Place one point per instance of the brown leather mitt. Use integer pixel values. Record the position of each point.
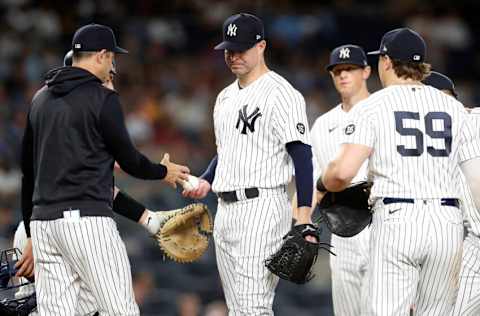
(184, 233)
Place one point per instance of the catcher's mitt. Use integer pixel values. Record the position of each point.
(17, 295)
(294, 260)
(19, 307)
(346, 213)
(184, 233)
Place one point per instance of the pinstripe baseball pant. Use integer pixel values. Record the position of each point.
(246, 233)
(349, 268)
(468, 299)
(71, 252)
(416, 253)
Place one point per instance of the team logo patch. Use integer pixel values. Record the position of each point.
(248, 120)
(232, 30)
(350, 129)
(344, 53)
(301, 128)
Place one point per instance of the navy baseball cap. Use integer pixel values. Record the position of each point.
(95, 37)
(347, 54)
(441, 82)
(241, 31)
(402, 44)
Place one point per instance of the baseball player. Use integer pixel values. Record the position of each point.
(441, 82)
(75, 132)
(262, 135)
(25, 264)
(349, 71)
(415, 137)
(468, 298)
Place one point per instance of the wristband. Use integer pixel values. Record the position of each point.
(124, 202)
(320, 186)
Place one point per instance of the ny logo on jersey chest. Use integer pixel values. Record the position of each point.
(248, 120)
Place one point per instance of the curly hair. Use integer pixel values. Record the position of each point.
(411, 70)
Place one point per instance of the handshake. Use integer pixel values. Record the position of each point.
(193, 187)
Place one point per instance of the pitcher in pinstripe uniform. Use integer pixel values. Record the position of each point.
(349, 71)
(262, 135)
(468, 299)
(415, 138)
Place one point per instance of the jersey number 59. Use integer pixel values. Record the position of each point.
(445, 134)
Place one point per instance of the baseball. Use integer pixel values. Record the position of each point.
(191, 184)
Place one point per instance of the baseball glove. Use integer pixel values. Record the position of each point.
(19, 307)
(184, 233)
(294, 260)
(346, 213)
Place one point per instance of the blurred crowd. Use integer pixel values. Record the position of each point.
(168, 84)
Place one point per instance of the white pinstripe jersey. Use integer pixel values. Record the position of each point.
(471, 214)
(327, 136)
(418, 135)
(252, 126)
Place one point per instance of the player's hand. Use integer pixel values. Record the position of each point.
(109, 84)
(200, 192)
(304, 217)
(175, 173)
(150, 221)
(25, 267)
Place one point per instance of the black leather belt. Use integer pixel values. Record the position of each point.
(231, 196)
(445, 201)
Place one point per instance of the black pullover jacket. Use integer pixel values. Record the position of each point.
(75, 132)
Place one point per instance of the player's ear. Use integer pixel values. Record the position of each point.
(387, 62)
(262, 45)
(366, 72)
(100, 56)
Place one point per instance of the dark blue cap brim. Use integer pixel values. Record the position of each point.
(376, 52)
(233, 46)
(346, 62)
(120, 50)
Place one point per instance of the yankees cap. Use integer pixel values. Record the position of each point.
(402, 44)
(95, 37)
(241, 31)
(347, 54)
(441, 82)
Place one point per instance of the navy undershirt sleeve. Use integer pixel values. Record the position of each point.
(302, 160)
(209, 174)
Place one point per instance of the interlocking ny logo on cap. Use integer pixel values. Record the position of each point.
(344, 53)
(232, 30)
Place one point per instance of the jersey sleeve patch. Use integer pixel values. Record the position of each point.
(301, 128)
(350, 129)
